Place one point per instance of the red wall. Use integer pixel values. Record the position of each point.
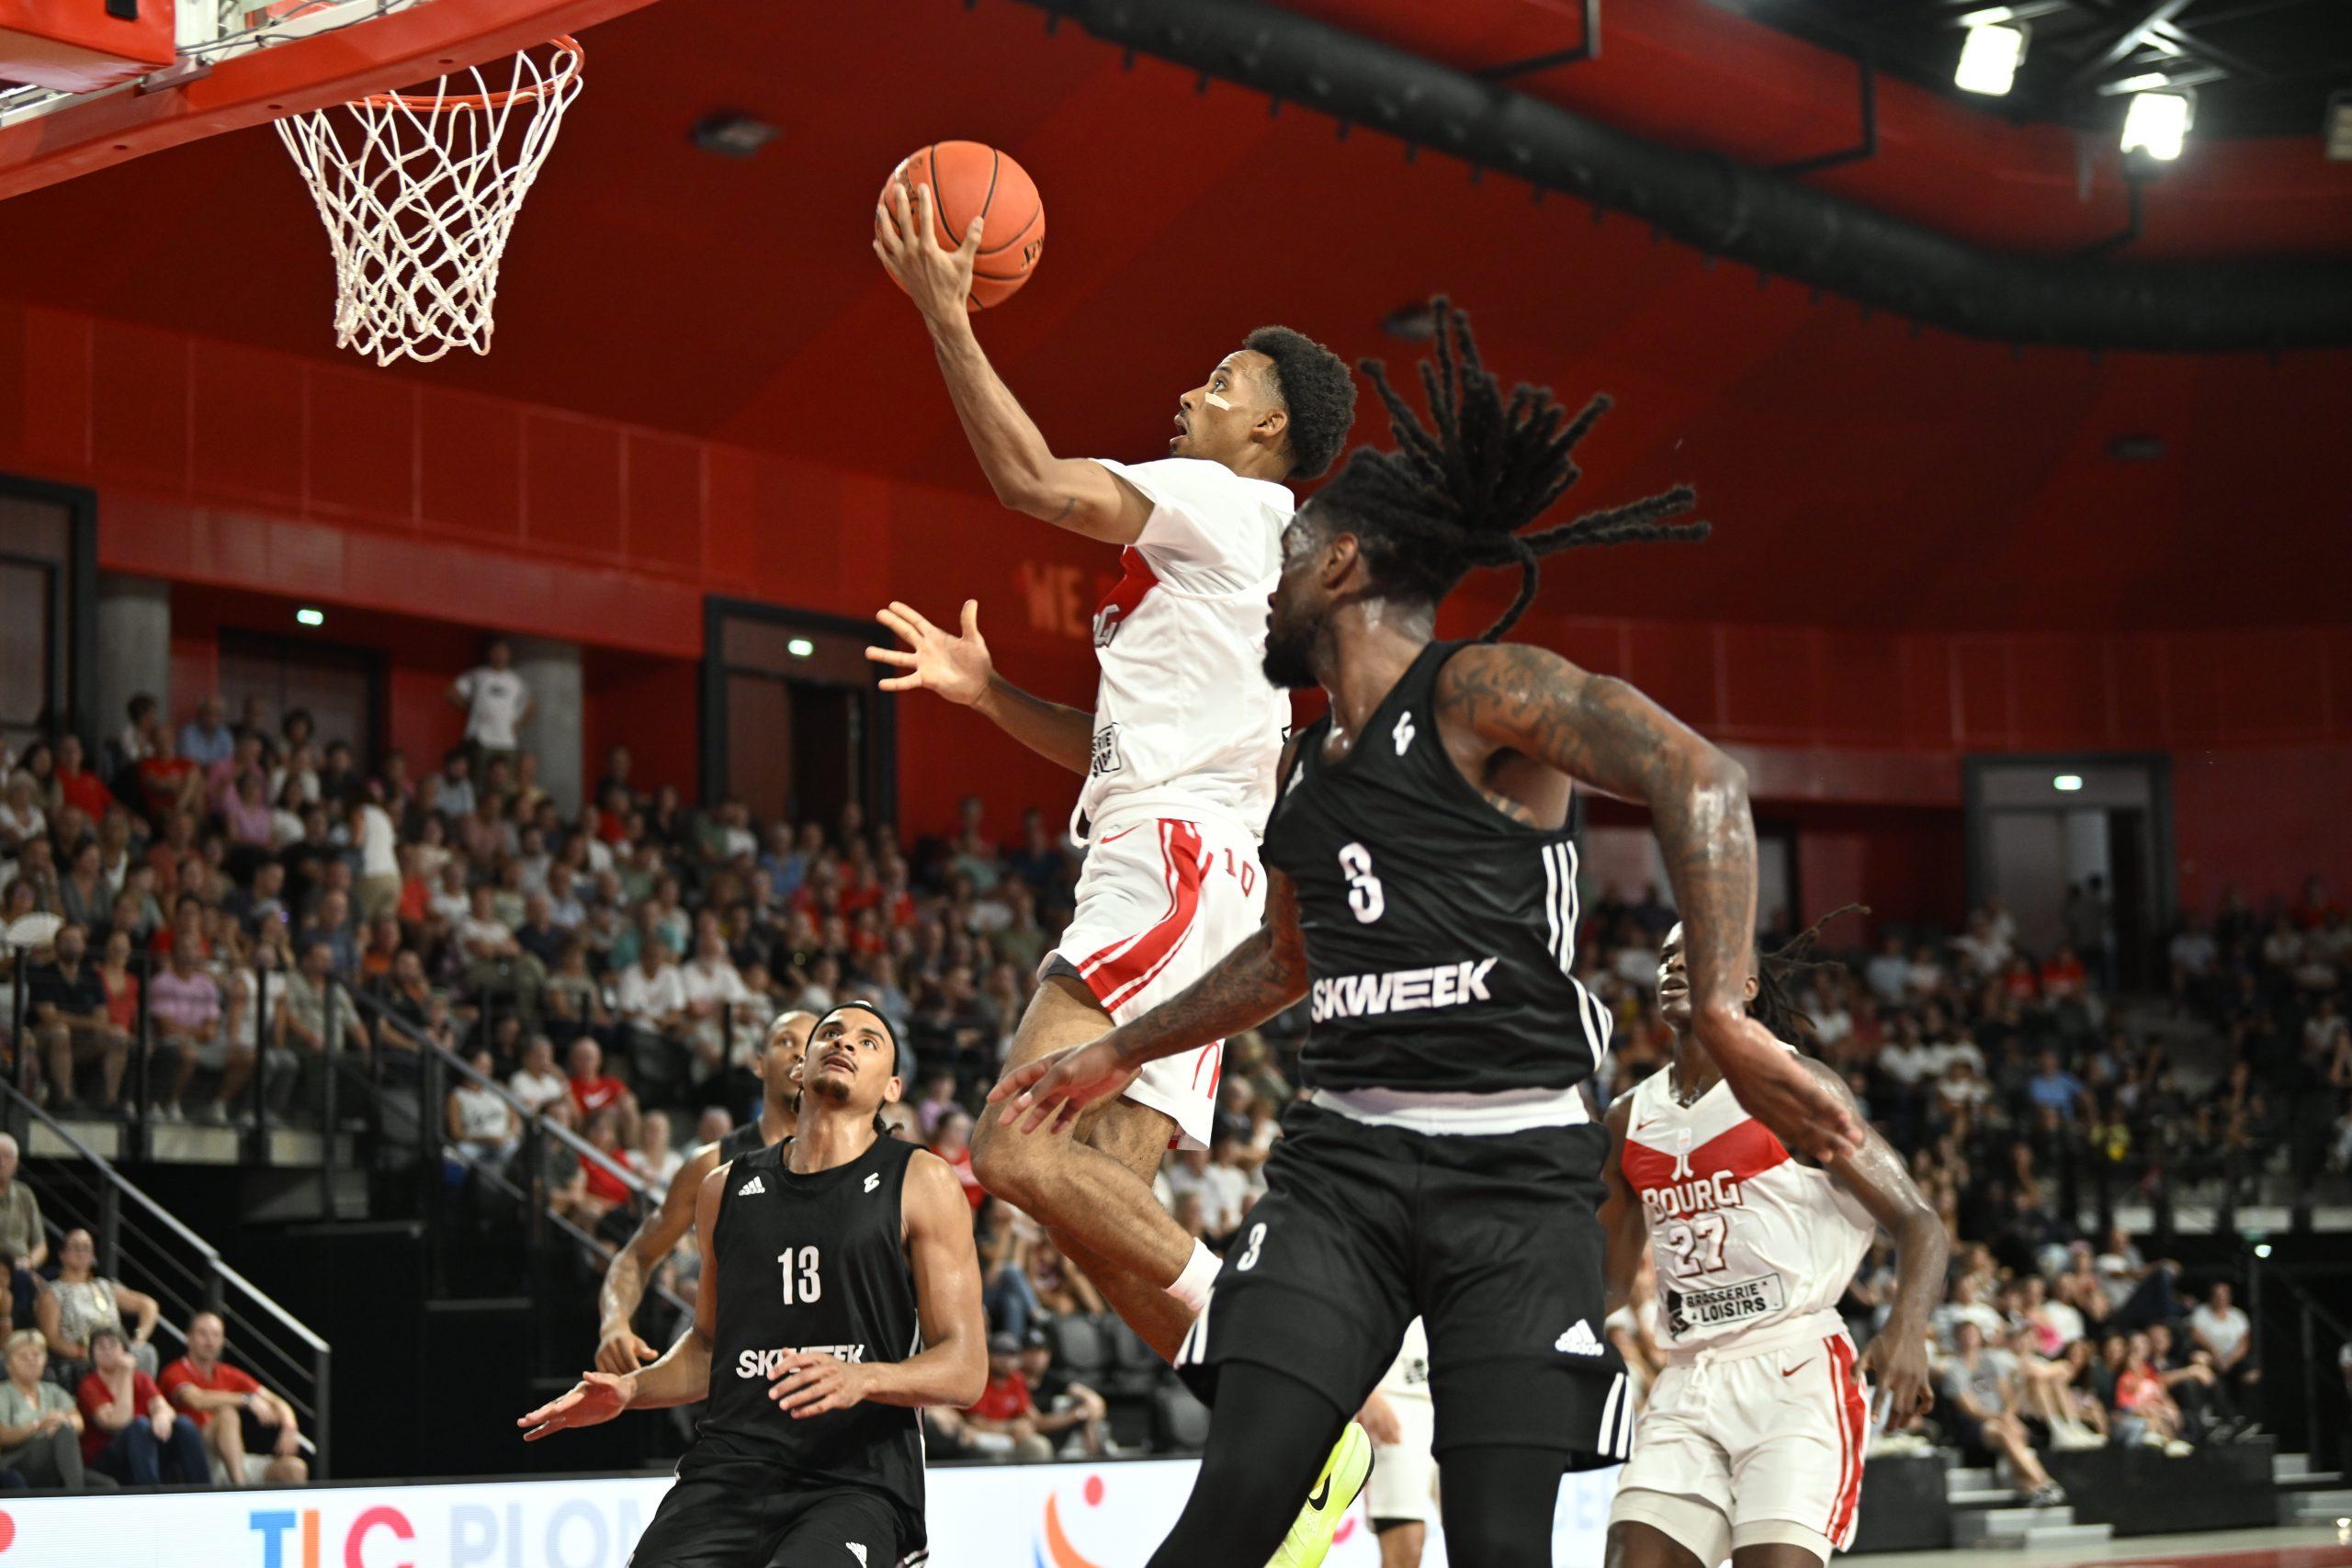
(2264, 819)
(248, 470)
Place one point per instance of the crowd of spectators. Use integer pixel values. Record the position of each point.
(610, 969)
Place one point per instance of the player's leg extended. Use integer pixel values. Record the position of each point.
(1402, 1544)
(1632, 1544)
(1268, 1438)
(1092, 1188)
(1781, 1554)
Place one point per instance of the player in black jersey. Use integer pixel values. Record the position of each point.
(777, 1067)
(841, 1291)
(1423, 896)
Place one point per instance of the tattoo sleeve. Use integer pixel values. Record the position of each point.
(1603, 732)
(1264, 974)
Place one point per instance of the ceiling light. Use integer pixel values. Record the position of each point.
(1989, 57)
(306, 616)
(732, 135)
(2140, 84)
(2157, 124)
(2339, 127)
(2067, 784)
(800, 648)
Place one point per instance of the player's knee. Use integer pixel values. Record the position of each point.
(1011, 1164)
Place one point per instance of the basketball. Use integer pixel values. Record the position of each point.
(969, 180)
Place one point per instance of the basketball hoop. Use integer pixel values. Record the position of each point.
(419, 192)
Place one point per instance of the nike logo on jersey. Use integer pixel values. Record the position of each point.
(750, 1188)
(1403, 733)
(874, 1181)
(1580, 1341)
(1401, 991)
(1798, 1367)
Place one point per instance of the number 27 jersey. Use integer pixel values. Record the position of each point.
(1744, 1236)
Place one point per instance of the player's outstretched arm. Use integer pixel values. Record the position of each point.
(680, 1377)
(1601, 730)
(953, 1366)
(618, 1348)
(957, 667)
(1264, 974)
(1073, 493)
(1623, 1226)
(1874, 1174)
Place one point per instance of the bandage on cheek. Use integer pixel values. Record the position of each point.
(1213, 400)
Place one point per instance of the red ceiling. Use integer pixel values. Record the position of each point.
(1858, 474)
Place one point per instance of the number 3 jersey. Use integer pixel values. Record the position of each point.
(817, 1263)
(1440, 933)
(1744, 1237)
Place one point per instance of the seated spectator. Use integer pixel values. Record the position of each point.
(573, 1003)
(71, 1023)
(2220, 1328)
(171, 785)
(650, 1000)
(1005, 1290)
(709, 985)
(597, 1190)
(1067, 1409)
(130, 1430)
(23, 1239)
(481, 1123)
(654, 1159)
(1980, 1385)
(543, 1090)
(2145, 1410)
(80, 1304)
(234, 1414)
(593, 1090)
(184, 1015)
(299, 1020)
(22, 819)
(952, 1141)
(41, 1427)
(1003, 1424)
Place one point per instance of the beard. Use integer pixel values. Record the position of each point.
(1290, 655)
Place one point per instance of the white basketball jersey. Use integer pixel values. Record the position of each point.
(1408, 1375)
(1185, 720)
(1744, 1237)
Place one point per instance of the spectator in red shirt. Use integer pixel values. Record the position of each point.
(593, 1089)
(171, 783)
(597, 1190)
(2062, 974)
(129, 1431)
(227, 1405)
(76, 786)
(1003, 1420)
(951, 1140)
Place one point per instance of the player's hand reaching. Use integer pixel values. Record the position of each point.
(955, 666)
(1049, 1092)
(1777, 1088)
(1896, 1363)
(809, 1385)
(596, 1397)
(620, 1350)
(906, 238)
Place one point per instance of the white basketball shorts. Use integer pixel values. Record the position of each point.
(1404, 1476)
(1159, 901)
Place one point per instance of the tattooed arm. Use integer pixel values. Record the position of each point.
(1264, 974)
(1599, 730)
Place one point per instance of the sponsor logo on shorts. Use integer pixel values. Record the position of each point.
(1580, 1341)
(1735, 1303)
(765, 1364)
(1401, 991)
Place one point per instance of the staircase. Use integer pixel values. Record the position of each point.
(1986, 1511)
(2308, 1496)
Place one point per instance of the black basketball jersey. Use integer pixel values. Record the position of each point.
(744, 1140)
(1439, 932)
(816, 1263)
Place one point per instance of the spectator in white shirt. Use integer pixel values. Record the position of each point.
(710, 985)
(1225, 1186)
(1888, 972)
(482, 1126)
(650, 999)
(497, 704)
(2221, 1326)
(539, 1084)
(653, 1158)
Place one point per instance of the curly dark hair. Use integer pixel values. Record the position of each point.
(1315, 386)
(1455, 497)
(1778, 974)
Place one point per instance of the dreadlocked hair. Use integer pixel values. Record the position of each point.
(1458, 489)
(1779, 974)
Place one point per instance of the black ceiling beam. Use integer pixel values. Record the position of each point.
(2129, 38)
(1722, 207)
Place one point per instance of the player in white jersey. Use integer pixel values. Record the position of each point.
(1179, 755)
(1751, 1448)
(1401, 1496)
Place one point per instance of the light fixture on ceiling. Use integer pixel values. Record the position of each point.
(1989, 55)
(732, 135)
(2156, 123)
(2339, 127)
(2067, 784)
(800, 648)
(307, 616)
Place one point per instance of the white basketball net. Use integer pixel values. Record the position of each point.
(419, 192)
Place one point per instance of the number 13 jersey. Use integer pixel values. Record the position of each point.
(1744, 1237)
(1440, 933)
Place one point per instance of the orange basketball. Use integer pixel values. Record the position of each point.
(971, 179)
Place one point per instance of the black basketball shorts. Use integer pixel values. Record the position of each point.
(1494, 1242)
(730, 1518)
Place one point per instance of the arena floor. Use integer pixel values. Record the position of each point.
(2304, 1547)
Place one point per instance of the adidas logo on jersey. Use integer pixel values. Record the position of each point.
(1580, 1341)
(1400, 991)
(1403, 733)
(874, 1181)
(751, 1188)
